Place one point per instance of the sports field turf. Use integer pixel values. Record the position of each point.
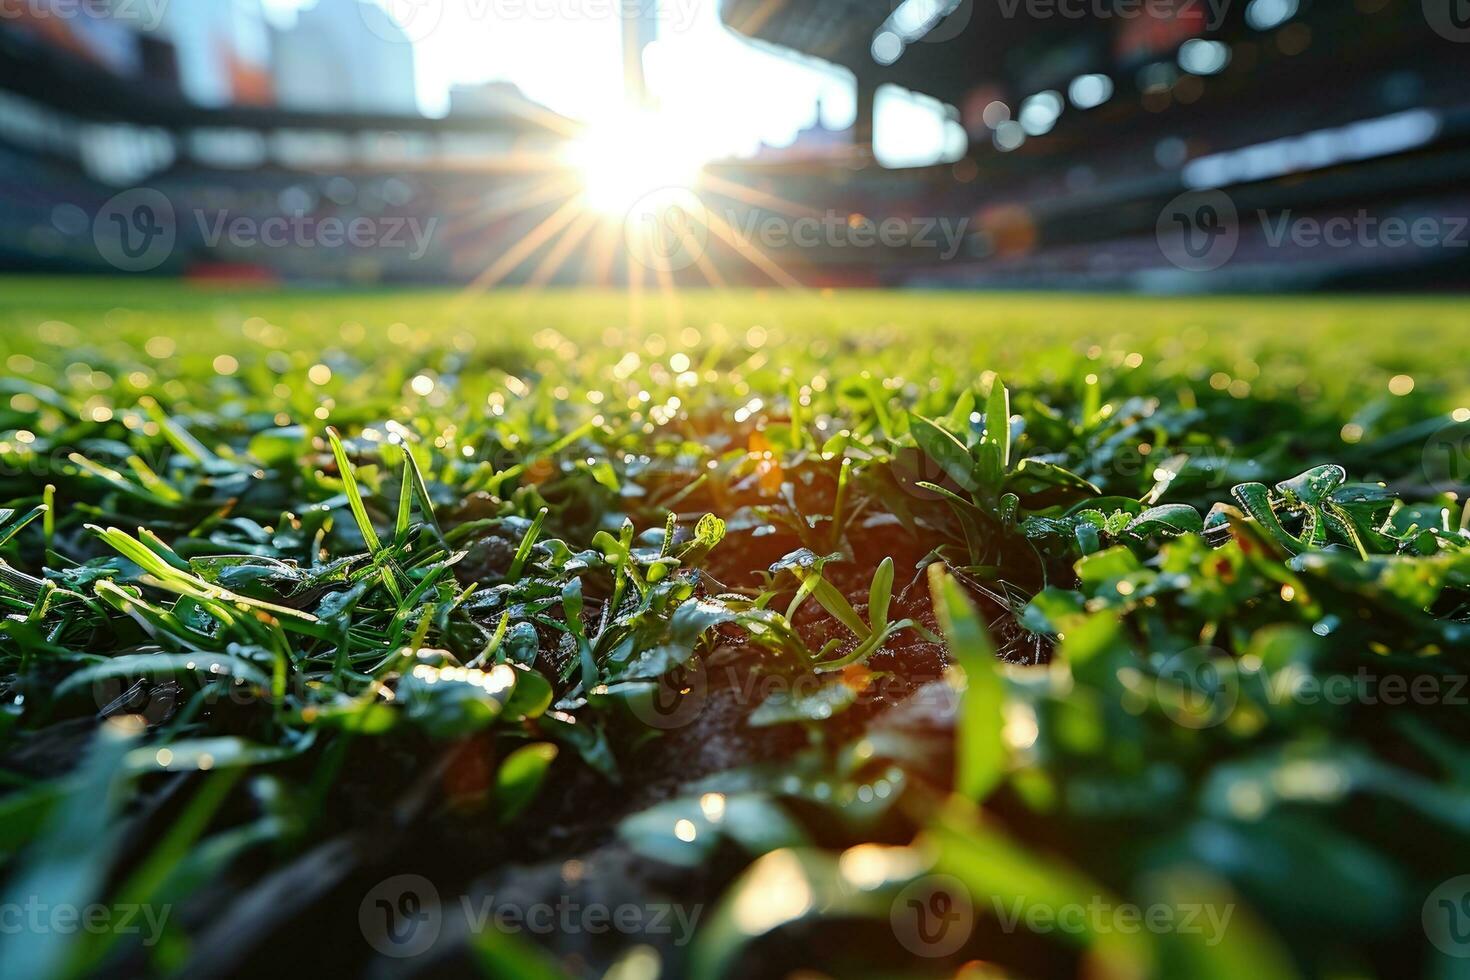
(744, 606)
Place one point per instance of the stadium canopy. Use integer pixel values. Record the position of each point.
(959, 49)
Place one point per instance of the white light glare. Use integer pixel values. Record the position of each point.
(915, 18)
(624, 160)
(1266, 14)
(887, 47)
(1200, 57)
(1090, 91)
(1009, 136)
(1310, 151)
(909, 22)
(1039, 113)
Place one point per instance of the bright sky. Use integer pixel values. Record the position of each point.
(716, 88)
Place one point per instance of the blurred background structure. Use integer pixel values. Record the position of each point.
(1007, 143)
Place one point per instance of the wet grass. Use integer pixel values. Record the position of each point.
(306, 591)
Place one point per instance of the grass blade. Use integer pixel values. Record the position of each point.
(980, 754)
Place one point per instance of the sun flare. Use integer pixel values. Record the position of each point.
(622, 161)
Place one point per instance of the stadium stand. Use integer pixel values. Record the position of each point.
(1081, 126)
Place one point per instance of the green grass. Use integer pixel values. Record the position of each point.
(460, 586)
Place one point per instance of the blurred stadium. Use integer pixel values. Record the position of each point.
(1048, 137)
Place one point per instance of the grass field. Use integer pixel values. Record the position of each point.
(334, 618)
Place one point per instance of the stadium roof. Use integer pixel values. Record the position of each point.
(839, 31)
(976, 44)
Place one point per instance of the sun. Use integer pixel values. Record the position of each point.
(621, 161)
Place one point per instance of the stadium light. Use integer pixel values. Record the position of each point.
(1039, 112)
(1364, 140)
(1090, 91)
(887, 47)
(1201, 57)
(1263, 15)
